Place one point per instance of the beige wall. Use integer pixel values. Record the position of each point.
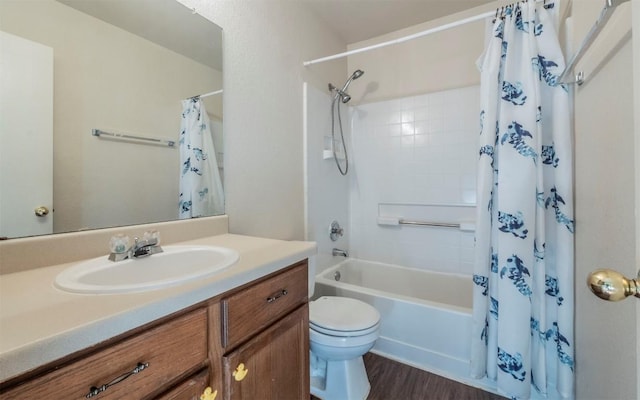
(440, 61)
(265, 43)
(91, 176)
(606, 231)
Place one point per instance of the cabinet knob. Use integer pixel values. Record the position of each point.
(209, 394)
(240, 373)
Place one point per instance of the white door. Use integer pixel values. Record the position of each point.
(26, 136)
(607, 137)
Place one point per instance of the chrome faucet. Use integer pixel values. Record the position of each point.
(150, 244)
(144, 248)
(339, 252)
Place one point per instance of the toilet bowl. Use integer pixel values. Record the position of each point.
(341, 331)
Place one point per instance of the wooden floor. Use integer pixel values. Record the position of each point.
(391, 380)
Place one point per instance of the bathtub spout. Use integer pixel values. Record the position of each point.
(338, 252)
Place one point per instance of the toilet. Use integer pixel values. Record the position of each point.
(341, 331)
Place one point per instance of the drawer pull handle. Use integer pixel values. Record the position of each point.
(209, 394)
(277, 295)
(96, 390)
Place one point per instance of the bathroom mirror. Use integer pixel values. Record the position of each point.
(121, 67)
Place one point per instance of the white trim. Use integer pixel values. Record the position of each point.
(305, 156)
(635, 23)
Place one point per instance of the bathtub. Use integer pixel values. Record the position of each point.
(425, 316)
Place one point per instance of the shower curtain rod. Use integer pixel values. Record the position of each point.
(200, 96)
(605, 14)
(407, 38)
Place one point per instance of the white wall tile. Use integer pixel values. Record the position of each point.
(421, 150)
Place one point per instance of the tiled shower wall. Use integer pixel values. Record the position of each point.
(415, 158)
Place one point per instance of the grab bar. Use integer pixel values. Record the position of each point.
(426, 223)
(98, 132)
(463, 226)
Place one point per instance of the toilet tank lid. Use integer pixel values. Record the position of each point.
(342, 313)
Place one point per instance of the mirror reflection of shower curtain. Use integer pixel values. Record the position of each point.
(201, 192)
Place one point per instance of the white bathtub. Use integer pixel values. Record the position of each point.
(426, 316)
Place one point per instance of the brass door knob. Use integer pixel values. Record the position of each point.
(41, 211)
(612, 285)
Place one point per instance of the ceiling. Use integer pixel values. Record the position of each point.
(357, 20)
(352, 20)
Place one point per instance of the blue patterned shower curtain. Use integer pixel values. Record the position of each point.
(523, 274)
(200, 184)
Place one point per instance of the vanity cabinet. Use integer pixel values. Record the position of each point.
(266, 339)
(273, 365)
(167, 353)
(249, 343)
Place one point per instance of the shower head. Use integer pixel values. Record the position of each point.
(344, 96)
(342, 93)
(356, 74)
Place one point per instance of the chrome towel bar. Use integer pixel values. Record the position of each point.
(605, 14)
(98, 132)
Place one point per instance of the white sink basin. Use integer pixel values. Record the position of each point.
(176, 265)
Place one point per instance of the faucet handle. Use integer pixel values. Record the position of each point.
(335, 231)
(151, 237)
(119, 243)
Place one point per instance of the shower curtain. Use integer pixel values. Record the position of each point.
(200, 184)
(523, 273)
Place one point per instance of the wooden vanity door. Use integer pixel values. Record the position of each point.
(190, 389)
(274, 365)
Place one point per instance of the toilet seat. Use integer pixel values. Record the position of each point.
(343, 341)
(343, 333)
(342, 316)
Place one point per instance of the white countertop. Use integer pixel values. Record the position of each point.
(40, 323)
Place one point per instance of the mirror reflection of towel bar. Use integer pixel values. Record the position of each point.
(98, 132)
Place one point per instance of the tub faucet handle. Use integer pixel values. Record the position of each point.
(335, 231)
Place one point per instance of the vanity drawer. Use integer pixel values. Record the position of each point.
(171, 350)
(251, 310)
